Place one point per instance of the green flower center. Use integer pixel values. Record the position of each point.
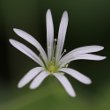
(52, 68)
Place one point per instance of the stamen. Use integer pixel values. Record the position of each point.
(55, 40)
(63, 52)
(66, 65)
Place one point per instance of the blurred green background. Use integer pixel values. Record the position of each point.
(89, 24)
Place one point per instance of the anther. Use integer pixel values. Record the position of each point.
(64, 50)
(66, 65)
(55, 40)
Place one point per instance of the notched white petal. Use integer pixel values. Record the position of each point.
(83, 50)
(29, 76)
(66, 84)
(61, 35)
(24, 49)
(87, 49)
(50, 33)
(90, 57)
(71, 58)
(38, 80)
(77, 75)
(32, 41)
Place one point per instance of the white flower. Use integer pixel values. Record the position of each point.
(54, 62)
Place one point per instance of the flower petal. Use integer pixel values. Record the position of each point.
(67, 60)
(66, 84)
(77, 75)
(86, 49)
(38, 80)
(90, 57)
(61, 35)
(83, 50)
(24, 49)
(32, 41)
(50, 33)
(29, 76)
